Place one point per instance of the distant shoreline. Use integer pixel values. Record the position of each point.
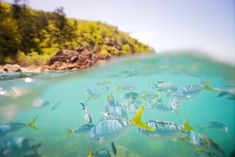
(7, 68)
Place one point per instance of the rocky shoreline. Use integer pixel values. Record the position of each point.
(82, 58)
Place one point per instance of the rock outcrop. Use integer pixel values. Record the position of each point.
(11, 68)
(82, 58)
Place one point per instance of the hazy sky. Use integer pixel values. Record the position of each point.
(206, 25)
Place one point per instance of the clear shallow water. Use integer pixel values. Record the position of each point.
(64, 91)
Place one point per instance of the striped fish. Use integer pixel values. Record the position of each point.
(162, 129)
(107, 128)
(202, 143)
(86, 128)
(114, 108)
(13, 126)
(172, 106)
(164, 107)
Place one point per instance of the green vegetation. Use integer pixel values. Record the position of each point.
(30, 36)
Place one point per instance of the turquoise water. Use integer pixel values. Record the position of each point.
(62, 93)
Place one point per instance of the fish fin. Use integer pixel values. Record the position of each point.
(118, 87)
(109, 97)
(187, 125)
(90, 154)
(205, 85)
(68, 132)
(100, 140)
(114, 149)
(222, 94)
(137, 120)
(32, 123)
(210, 88)
(83, 106)
(158, 94)
(231, 98)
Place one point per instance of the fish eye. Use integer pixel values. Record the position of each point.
(175, 106)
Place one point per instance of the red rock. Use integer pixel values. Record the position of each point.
(82, 58)
(11, 68)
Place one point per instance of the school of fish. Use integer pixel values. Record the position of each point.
(119, 116)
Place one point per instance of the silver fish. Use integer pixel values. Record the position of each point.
(188, 91)
(102, 153)
(103, 83)
(162, 129)
(175, 103)
(13, 126)
(164, 107)
(230, 93)
(127, 87)
(111, 101)
(202, 143)
(149, 95)
(87, 116)
(108, 128)
(130, 95)
(114, 108)
(82, 129)
(56, 105)
(167, 87)
(132, 108)
(151, 99)
(191, 90)
(10, 127)
(92, 94)
(215, 125)
(18, 146)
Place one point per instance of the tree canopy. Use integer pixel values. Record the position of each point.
(30, 36)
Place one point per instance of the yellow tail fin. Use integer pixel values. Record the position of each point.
(68, 132)
(158, 94)
(90, 154)
(209, 88)
(206, 86)
(143, 95)
(32, 124)
(187, 125)
(137, 120)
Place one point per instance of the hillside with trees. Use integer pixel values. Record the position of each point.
(32, 37)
